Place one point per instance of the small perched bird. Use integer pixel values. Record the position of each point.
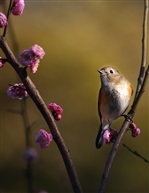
(113, 100)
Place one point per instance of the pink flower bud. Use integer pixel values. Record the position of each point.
(110, 136)
(1, 63)
(17, 7)
(31, 154)
(17, 91)
(38, 51)
(106, 136)
(56, 111)
(58, 117)
(43, 138)
(136, 132)
(3, 20)
(113, 135)
(132, 126)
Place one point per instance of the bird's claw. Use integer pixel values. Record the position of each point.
(127, 117)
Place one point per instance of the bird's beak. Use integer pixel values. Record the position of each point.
(99, 71)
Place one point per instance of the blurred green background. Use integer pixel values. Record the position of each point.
(78, 37)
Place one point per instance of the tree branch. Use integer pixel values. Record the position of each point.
(37, 99)
(112, 156)
(8, 14)
(144, 48)
(142, 89)
(27, 127)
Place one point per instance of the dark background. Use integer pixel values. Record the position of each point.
(78, 37)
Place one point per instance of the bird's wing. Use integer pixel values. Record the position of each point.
(99, 104)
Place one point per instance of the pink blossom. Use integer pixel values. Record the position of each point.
(113, 135)
(27, 58)
(58, 117)
(31, 57)
(56, 111)
(43, 191)
(31, 154)
(17, 7)
(43, 138)
(110, 136)
(34, 67)
(3, 20)
(17, 91)
(38, 51)
(136, 132)
(132, 126)
(106, 136)
(1, 63)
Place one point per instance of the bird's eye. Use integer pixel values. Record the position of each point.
(111, 71)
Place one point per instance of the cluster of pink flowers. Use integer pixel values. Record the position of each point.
(43, 138)
(31, 57)
(56, 111)
(31, 154)
(17, 7)
(17, 91)
(110, 136)
(135, 131)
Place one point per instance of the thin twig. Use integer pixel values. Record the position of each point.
(14, 111)
(136, 101)
(29, 169)
(37, 99)
(8, 14)
(144, 48)
(139, 91)
(135, 153)
(27, 127)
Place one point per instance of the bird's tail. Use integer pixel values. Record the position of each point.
(99, 138)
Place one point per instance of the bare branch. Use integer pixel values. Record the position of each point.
(144, 48)
(136, 153)
(8, 14)
(142, 89)
(112, 156)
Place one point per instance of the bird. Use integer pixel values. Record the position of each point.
(113, 99)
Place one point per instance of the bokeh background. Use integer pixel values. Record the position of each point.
(78, 37)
